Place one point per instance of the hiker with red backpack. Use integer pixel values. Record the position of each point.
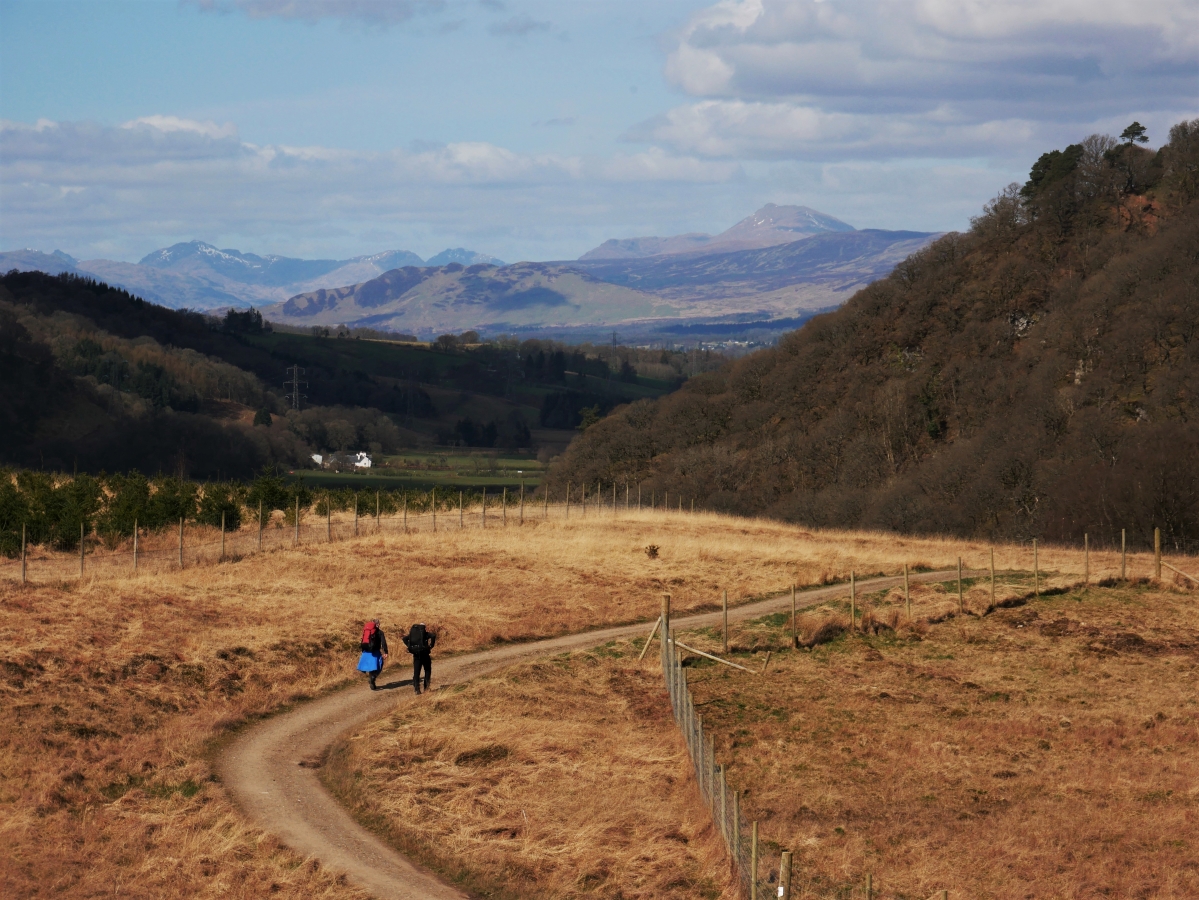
(374, 650)
(420, 641)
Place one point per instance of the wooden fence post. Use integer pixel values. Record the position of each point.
(737, 827)
(504, 508)
(794, 621)
(785, 876)
(259, 524)
(22, 553)
(328, 519)
(724, 606)
(461, 519)
(724, 807)
(222, 558)
(433, 503)
(666, 501)
(404, 498)
(584, 499)
(638, 496)
(869, 886)
(181, 543)
(568, 501)
(1036, 569)
(545, 511)
(666, 620)
(1123, 555)
(626, 496)
(81, 549)
(378, 521)
(992, 576)
(522, 503)
(297, 536)
(1157, 553)
(355, 514)
(961, 598)
(853, 601)
(753, 864)
(484, 507)
(134, 544)
(1086, 559)
(907, 592)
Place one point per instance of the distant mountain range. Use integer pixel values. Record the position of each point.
(769, 226)
(771, 270)
(782, 283)
(197, 275)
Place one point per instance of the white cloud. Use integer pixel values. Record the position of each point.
(159, 179)
(936, 77)
(782, 130)
(168, 124)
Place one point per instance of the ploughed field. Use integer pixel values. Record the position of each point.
(117, 689)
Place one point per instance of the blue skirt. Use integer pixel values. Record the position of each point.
(370, 662)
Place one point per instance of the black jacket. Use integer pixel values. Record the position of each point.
(419, 647)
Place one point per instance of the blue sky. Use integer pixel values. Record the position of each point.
(537, 130)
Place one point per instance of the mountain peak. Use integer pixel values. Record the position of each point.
(463, 256)
(768, 227)
(168, 256)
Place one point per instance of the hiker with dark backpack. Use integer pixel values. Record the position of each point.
(420, 641)
(374, 649)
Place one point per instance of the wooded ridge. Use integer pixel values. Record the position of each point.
(1037, 375)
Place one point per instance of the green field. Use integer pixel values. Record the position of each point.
(458, 469)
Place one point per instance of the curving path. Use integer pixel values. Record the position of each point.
(269, 773)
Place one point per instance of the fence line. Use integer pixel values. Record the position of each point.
(177, 547)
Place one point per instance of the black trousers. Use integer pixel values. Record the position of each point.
(421, 661)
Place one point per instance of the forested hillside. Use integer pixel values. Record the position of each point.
(96, 378)
(1037, 375)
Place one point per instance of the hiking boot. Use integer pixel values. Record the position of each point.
(418, 690)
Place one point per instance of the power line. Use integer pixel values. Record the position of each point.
(294, 383)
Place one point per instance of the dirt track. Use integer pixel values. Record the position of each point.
(270, 769)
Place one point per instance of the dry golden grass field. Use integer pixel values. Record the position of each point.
(117, 689)
(562, 778)
(1046, 749)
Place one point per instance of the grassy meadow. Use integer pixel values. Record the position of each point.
(118, 688)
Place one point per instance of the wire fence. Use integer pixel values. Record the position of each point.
(740, 838)
(189, 545)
